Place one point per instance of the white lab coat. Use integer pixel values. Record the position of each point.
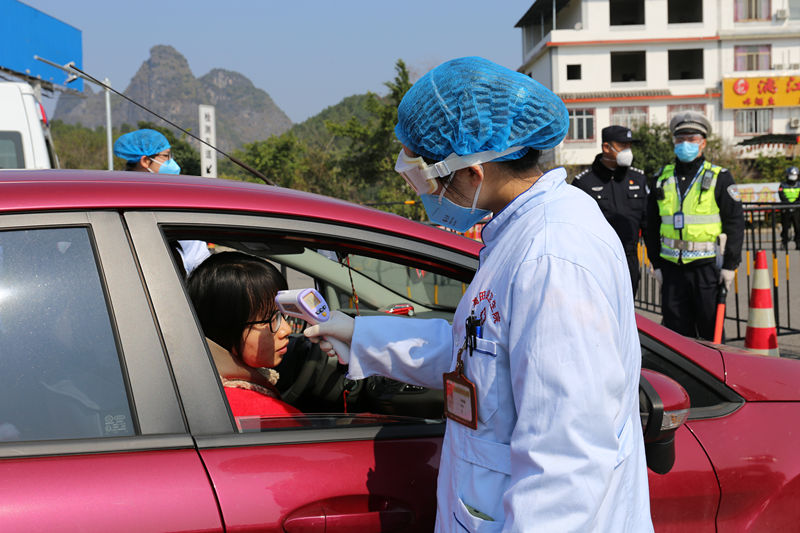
(559, 440)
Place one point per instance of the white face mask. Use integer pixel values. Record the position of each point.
(625, 157)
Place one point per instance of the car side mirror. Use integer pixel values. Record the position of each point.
(663, 407)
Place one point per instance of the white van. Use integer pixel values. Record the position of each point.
(25, 140)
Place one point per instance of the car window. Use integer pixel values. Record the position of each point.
(11, 155)
(707, 396)
(370, 281)
(61, 375)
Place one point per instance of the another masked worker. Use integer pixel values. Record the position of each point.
(620, 190)
(544, 340)
(789, 191)
(148, 150)
(692, 203)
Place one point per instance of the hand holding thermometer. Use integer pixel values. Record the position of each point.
(309, 305)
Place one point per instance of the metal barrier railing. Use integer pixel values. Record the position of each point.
(761, 233)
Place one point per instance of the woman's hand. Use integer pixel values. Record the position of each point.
(334, 335)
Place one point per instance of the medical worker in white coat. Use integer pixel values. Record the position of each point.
(548, 344)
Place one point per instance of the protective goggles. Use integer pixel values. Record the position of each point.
(422, 177)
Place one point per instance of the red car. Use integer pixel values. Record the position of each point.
(113, 418)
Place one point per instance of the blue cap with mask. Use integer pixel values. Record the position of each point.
(132, 146)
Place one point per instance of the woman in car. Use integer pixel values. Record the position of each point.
(234, 298)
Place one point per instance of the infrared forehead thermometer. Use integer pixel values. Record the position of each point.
(305, 304)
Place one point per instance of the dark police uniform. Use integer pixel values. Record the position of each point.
(622, 196)
(689, 290)
(789, 193)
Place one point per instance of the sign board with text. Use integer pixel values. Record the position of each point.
(755, 93)
(208, 132)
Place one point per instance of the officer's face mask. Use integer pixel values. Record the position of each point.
(167, 167)
(687, 151)
(442, 211)
(624, 157)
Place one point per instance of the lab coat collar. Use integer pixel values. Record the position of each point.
(534, 196)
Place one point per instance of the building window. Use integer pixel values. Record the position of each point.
(626, 12)
(573, 72)
(581, 125)
(686, 64)
(794, 9)
(629, 116)
(628, 66)
(753, 121)
(673, 110)
(681, 11)
(755, 57)
(751, 10)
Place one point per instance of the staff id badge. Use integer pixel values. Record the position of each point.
(461, 403)
(677, 220)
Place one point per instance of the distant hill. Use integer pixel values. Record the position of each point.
(313, 131)
(165, 84)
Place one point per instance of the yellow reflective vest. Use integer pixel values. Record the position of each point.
(692, 234)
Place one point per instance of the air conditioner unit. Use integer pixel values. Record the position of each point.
(794, 66)
(777, 66)
(794, 122)
(781, 14)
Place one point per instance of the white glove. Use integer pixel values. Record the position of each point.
(726, 277)
(659, 277)
(334, 335)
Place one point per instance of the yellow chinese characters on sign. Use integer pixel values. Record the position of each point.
(754, 93)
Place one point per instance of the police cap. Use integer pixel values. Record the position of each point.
(619, 134)
(690, 122)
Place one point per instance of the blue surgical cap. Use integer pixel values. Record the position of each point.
(135, 144)
(472, 105)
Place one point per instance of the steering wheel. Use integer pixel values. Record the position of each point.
(317, 368)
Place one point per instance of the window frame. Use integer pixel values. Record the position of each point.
(154, 404)
(738, 112)
(760, 53)
(591, 114)
(750, 7)
(209, 417)
(615, 112)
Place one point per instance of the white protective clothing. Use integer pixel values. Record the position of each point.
(559, 441)
(192, 254)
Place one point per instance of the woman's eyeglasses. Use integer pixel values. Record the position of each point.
(274, 321)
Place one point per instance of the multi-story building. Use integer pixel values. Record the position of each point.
(627, 61)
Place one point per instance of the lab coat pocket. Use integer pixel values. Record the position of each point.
(625, 442)
(474, 524)
(482, 370)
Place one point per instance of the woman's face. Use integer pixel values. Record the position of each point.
(263, 348)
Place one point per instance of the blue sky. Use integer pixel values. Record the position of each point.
(306, 54)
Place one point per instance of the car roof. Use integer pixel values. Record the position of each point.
(65, 190)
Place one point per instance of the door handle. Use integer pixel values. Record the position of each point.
(362, 513)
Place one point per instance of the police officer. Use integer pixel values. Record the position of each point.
(692, 203)
(788, 192)
(620, 190)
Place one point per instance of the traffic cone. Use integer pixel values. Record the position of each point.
(762, 335)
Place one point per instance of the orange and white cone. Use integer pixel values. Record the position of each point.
(762, 335)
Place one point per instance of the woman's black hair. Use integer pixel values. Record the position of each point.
(230, 289)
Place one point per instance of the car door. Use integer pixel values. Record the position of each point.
(371, 470)
(687, 498)
(92, 437)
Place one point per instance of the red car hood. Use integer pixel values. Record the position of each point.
(759, 378)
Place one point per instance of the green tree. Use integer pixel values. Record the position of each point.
(368, 161)
(80, 147)
(655, 149)
(772, 169)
